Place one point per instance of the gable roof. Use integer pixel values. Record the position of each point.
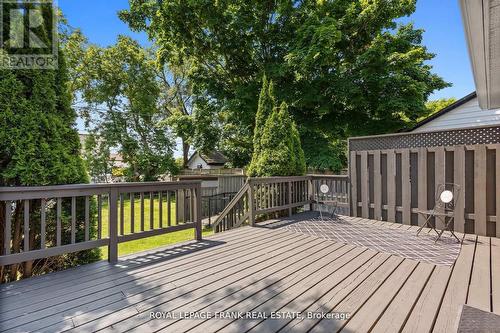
(212, 158)
(445, 110)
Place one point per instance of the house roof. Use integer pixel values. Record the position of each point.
(212, 158)
(445, 110)
(481, 21)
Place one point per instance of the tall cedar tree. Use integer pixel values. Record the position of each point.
(265, 107)
(345, 67)
(39, 146)
(280, 151)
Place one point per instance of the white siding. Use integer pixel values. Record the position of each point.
(468, 114)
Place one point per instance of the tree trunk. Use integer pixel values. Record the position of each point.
(185, 154)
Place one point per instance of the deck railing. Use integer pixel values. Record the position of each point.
(267, 195)
(393, 176)
(44, 221)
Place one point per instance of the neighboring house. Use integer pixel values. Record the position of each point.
(117, 159)
(212, 160)
(464, 113)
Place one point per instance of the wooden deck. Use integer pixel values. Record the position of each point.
(256, 271)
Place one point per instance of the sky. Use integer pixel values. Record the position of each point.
(441, 20)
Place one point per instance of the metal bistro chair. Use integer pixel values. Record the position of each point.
(324, 189)
(447, 195)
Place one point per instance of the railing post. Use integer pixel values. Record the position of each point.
(113, 226)
(197, 213)
(289, 198)
(251, 204)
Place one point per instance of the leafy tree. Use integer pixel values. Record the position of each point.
(324, 154)
(345, 67)
(437, 105)
(299, 160)
(96, 154)
(186, 122)
(123, 103)
(195, 126)
(38, 146)
(280, 151)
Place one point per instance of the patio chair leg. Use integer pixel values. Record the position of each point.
(439, 235)
(458, 240)
(424, 225)
(442, 219)
(334, 211)
(448, 227)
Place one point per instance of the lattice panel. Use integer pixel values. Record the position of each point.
(469, 136)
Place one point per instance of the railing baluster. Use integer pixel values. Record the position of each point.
(151, 211)
(43, 225)
(169, 214)
(132, 212)
(87, 218)
(26, 225)
(99, 216)
(177, 208)
(192, 215)
(113, 226)
(58, 222)
(73, 220)
(160, 209)
(122, 215)
(142, 210)
(197, 213)
(8, 226)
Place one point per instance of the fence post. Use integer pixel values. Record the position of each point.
(197, 213)
(113, 226)
(251, 206)
(289, 198)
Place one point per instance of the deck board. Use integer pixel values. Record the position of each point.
(479, 295)
(495, 274)
(367, 315)
(425, 310)
(337, 293)
(335, 273)
(456, 291)
(226, 292)
(101, 287)
(145, 296)
(146, 258)
(394, 317)
(264, 269)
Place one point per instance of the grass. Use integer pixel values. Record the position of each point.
(149, 242)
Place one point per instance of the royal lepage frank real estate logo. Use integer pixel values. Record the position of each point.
(28, 34)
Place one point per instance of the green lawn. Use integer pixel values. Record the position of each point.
(149, 242)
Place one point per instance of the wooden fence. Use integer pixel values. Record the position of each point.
(53, 220)
(261, 196)
(393, 176)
